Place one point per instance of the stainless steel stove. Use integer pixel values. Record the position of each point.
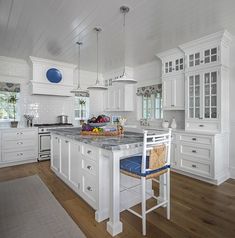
(44, 139)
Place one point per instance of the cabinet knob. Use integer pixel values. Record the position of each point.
(194, 151)
(201, 125)
(194, 165)
(172, 105)
(89, 151)
(89, 188)
(19, 143)
(66, 141)
(89, 167)
(194, 139)
(201, 61)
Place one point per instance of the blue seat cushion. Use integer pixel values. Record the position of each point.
(133, 165)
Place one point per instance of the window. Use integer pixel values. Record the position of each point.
(81, 108)
(152, 106)
(9, 101)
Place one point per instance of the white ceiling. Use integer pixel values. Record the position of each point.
(50, 28)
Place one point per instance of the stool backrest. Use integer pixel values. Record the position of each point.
(158, 147)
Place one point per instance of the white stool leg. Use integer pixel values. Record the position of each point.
(168, 194)
(143, 205)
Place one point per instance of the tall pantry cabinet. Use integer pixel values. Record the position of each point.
(196, 74)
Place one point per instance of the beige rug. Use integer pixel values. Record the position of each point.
(29, 210)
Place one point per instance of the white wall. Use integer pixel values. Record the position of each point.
(232, 110)
(45, 108)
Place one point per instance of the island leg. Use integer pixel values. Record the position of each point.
(114, 225)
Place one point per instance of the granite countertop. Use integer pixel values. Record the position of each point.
(126, 141)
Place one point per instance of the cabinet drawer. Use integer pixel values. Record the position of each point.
(89, 189)
(89, 166)
(19, 134)
(202, 126)
(196, 168)
(17, 144)
(202, 153)
(90, 152)
(18, 155)
(197, 139)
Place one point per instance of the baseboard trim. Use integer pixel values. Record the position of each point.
(232, 172)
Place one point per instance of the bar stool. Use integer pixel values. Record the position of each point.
(153, 162)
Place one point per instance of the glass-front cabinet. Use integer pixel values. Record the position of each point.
(202, 102)
(207, 56)
(171, 66)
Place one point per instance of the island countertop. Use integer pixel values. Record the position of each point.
(126, 141)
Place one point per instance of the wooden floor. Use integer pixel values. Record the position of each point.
(197, 209)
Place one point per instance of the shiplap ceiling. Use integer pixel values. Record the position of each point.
(50, 28)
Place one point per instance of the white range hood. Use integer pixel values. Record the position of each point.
(51, 77)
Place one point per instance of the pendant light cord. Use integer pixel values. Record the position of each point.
(124, 38)
(97, 56)
(79, 43)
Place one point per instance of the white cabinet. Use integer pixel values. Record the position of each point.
(208, 51)
(173, 93)
(173, 79)
(18, 145)
(172, 62)
(55, 150)
(119, 98)
(202, 156)
(75, 164)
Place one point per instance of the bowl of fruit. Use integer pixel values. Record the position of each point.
(101, 120)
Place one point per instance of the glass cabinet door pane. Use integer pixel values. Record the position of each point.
(214, 112)
(197, 79)
(197, 59)
(197, 112)
(213, 101)
(191, 83)
(207, 112)
(191, 112)
(191, 102)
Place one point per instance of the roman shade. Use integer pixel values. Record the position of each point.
(10, 87)
(149, 90)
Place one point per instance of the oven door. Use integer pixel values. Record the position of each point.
(44, 143)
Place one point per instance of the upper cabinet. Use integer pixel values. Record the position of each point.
(51, 77)
(172, 62)
(119, 98)
(207, 83)
(173, 79)
(212, 50)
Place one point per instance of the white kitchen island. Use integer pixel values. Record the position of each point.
(91, 167)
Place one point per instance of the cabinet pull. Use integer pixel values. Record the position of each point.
(194, 139)
(89, 151)
(201, 125)
(19, 154)
(194, 151)
(194, 165)
(89, 188)
(19, 143)
(201, 61)
(66, 141)
(89, 167)
(172, 105)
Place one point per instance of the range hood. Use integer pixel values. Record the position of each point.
(51, 77)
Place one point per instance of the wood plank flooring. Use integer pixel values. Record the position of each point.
(198, 209)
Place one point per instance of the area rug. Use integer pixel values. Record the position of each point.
(29, 210)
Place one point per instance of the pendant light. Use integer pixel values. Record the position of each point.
(98, 85)
(78, 91)
(124, 78)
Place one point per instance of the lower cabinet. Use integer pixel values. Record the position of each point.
(18, 145)
(201, 155)
(86, 170)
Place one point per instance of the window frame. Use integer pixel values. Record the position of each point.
(80, 108)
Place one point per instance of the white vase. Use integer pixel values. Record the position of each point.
(165, 124)
(173, 123)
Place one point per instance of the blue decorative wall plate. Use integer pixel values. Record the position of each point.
(54, 75)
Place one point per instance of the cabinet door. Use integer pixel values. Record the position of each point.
(178, 90)
(210, 55)
(167, 94)
(194, 96)
(194, 59)
(210, 100)
(179, 64)
(55, 153)
(75, 164)
(65, 157)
